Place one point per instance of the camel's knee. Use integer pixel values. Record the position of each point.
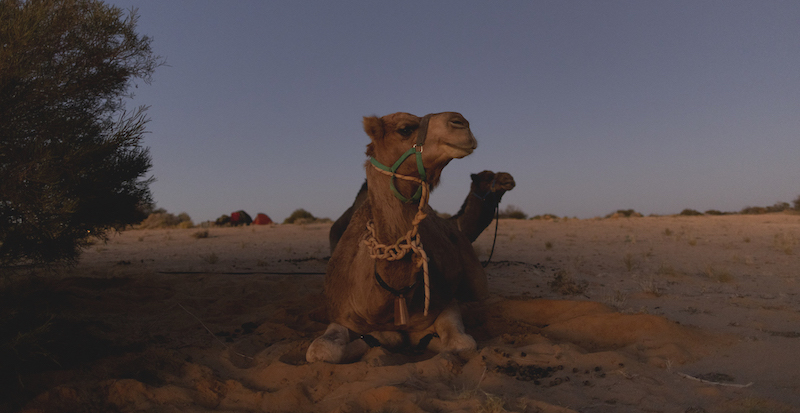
(330, 346)
(450, 329)
(335, 346)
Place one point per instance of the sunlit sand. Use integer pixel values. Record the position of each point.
(610, 315)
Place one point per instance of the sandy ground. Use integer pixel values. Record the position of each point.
(611, 315)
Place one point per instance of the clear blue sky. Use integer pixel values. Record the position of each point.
(593, 106)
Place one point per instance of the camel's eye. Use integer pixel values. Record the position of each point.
(406, 131)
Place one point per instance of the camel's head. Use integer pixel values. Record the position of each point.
(488, 181)
(447, 136)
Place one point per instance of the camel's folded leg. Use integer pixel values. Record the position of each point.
(335, 346)
(450, 329)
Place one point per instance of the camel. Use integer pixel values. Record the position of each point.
(478, 209)
(340, 225)
(399, 271)
(476, 213)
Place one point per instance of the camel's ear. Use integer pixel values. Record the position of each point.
(373, 125)
(474, 177)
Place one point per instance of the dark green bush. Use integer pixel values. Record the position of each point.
(160, 218)
(690, 212)
(71, 160)
(300, 216)
(624, 213)
(513, 212)
(546, 217)
(754, 210)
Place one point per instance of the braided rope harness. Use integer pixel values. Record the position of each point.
(409, 242)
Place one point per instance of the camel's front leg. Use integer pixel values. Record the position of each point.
(450, 329)
(335, 346)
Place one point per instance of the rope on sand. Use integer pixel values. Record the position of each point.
(239, 273)
(212, 333)
(716, 383)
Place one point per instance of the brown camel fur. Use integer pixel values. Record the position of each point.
(357, 304)
(338, 227)
(478, 209)
(476, 213)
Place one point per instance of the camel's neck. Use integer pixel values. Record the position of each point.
(392, 218)
(476, 213)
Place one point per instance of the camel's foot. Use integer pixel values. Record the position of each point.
(450, 329)
(335, 346)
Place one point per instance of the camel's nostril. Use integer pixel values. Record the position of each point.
(458, 124)
(457, 121)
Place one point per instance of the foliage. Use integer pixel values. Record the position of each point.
(715, 212)
(513, 212)
(777, 207)
(299, 216)
(71, 159)
(753, 210)
(624, 213)
(160, 218)
(690, 212)
(546, 217)
(796, 203)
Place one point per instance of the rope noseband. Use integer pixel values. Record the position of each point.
(415, 150)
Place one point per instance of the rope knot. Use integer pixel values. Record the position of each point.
(409, 242)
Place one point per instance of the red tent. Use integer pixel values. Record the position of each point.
(240, 218)
(262, 219)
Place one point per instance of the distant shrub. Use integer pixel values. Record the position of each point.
(513, 212)
(223, 220)
(200, 234)
(546, 217)
(300, 216)
(754, 210)
(690, 212)
(185, 224)
(160, 218)
(715, 212)
(779, 207)
(624, 213)
(796, 203)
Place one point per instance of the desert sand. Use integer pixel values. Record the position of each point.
(653, 314)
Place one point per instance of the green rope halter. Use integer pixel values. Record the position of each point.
(414, 150)
(422, 133)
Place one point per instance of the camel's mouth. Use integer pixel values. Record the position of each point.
(463, 148)
(505, 182)
(461, 151)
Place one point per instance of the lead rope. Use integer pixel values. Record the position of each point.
(409, 242)
(496, 224)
